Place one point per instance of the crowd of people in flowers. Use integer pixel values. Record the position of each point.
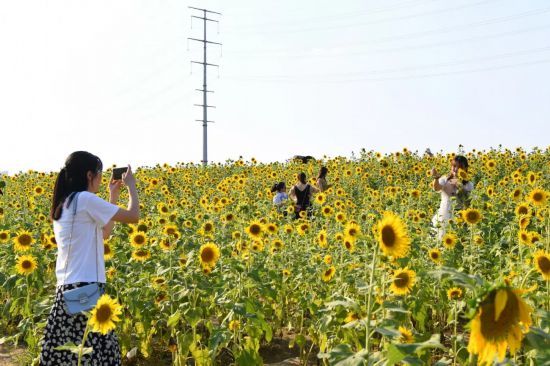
(397, 258)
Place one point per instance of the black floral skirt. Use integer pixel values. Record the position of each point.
(62, 328)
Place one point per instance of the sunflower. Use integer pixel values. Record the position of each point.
(522, 209)
(207, 229)
(541, 259)
(435, 255)
(392, 236)
(234, 325)
(26, 265)
(328, 274)
(320, 198)
(182, 260)
(141, 255)
(524, 237)
(351, 317)
(138, 239)
(38, 190)
(491, 164)
(302, 228)
(322, 238)
(538, 197)
(255, 229)
(158, 282)
(454, 293)
(286, 272)
(340, 217)
(524, 221)
(471, 216)
(516, 194)
(405, 335)
(23, 240)
(105, 314)
(352, 230)
(450, 240)
(107, 251)
(209, 254)
(327, 211)
(463, 175)
(349, 244)
(271, 228)
(4, 236)
(499, 323)
(403, 280)
(327, 259)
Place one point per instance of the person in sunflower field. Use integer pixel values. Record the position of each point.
(81, 221)
(301, 193)
(454, 185)
(321, 182)
(280, 195)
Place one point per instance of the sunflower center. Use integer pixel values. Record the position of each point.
(472, 216)
(3, 236)
(25, 239)
(352, 232)
(388, 236)
(523, 210)
(103, 313)
(26, 264)
(208, 227)
(107, 250)
(401, 280)
(537, 197)
(491, 329)
(207, 255)
(255, 229)
(139, 239)
(544, 264)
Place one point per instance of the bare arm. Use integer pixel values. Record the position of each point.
(114, 193)
(292, 194)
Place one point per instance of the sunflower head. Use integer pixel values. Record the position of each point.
(138, 239)
(454, 293)
(403, 281)
(449, 240)
(105, 314)
(541, 261)
(26, 265)
(328, 274)
(405, 335)
(255, 229)
(435, 255)
(23, 241)
(392, 236)
(141, 254)
(499, 323)
(471, 216)
(209, 254)
(538, 197)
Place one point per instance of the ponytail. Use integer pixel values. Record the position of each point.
(73, 178)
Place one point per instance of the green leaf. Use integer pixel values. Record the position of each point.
(343, 355)
(461, 278)
(174, 319)
(70, 346)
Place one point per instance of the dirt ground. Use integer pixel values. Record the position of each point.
(8, 356)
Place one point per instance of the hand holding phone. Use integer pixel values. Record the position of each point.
(118, 172)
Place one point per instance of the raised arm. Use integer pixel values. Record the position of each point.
(130, 215)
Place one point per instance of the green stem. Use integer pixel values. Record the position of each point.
(369, 299)
(84, 338)
(454, 332)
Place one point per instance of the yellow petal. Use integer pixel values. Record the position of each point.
(500, 302)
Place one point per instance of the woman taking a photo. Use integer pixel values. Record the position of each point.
(81, 220)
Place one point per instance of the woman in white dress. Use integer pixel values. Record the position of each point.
(450, 186)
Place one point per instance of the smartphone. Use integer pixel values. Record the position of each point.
(117, 172)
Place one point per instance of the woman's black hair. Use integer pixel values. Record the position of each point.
(277, 187)
(73, 178)
(322, 172)
(459, 159)
(302, 177)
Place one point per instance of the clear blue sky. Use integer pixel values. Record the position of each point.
(308, 77)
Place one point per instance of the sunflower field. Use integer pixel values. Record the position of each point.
(213, 274)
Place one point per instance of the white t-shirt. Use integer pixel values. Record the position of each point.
(86, 263)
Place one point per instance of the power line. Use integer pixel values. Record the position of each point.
(204, 89)
(379, 21)
(405, 77)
